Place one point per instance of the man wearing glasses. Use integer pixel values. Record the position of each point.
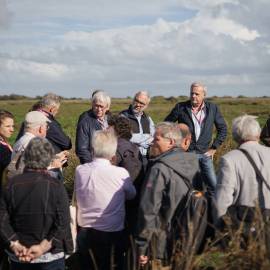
(142, 125)
(90, 121)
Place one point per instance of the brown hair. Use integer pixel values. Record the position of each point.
(5, 114)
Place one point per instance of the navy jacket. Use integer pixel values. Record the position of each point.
(182, 114)
(55, 135)
(87, 125)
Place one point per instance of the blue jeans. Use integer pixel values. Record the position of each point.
(208, 172)
(54, 265)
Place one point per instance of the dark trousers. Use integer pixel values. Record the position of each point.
(54, 265)
(100, 250)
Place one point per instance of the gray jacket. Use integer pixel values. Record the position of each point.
(237, 184)
(162, 192)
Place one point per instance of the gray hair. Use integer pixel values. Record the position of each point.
(245, 128)
(144, 93)
(199, 84)
(103, 97)
(50, 100)
(104, 144)
(38, 154)
(170, 131)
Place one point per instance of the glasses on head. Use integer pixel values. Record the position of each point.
(139, 102)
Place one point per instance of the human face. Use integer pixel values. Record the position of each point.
(54, 110)
(7, 127)
(99, 109)
(197, 96)
(140, 103)
(160, 144)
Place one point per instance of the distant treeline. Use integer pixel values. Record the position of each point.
(21, 97)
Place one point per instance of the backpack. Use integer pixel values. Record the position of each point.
(188, 224)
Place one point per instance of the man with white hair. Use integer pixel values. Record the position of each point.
(142, 125)
(238, 183)
(90, 121)
(164, 189)
(201, 116)
(101, 190)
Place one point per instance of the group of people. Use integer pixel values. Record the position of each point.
(129, 181)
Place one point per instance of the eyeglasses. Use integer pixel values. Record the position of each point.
(139, 102)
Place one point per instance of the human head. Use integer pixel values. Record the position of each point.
(104, 144)
(38, 154)
(51, 103)
(6, 124)
(197, 93)
(36, 123)
(101, 103)
(140, 101)
(245, 128)
(166, 137)
(97, 91)
(121, 126)
(186, 134)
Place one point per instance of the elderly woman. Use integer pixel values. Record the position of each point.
(90, 121)
(101, 190)
(6, 130)
(34, 212)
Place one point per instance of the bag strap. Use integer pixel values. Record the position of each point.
(258, 172)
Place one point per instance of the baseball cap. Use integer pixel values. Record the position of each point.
(35, 118)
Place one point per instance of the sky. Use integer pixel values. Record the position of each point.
(71, 47)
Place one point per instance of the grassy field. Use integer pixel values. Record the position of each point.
(70, 110)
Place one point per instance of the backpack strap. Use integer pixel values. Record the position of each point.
(257, 171)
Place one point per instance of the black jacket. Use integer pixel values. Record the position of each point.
(55, 135)
(35, 206)
(161, 193)
(265, 135)
(134, 122)
(87, 125)
(182, 113)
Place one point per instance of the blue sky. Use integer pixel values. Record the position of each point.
(122, 46)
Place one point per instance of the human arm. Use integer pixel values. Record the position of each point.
(83, 140)
(226, 187)
(57, 137)
(221, 128)
(129, 188)
(149, 208)
(173, 115)
(265, 134)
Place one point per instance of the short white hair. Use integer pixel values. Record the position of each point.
(50, 100)
(199, 84)
(170, 130)
(143, 93)
(104, 143)
(245, 128)
(103, 97)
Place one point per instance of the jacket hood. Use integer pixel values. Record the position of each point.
(184, 163)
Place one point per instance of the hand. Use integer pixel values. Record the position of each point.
(36, 251)
(18, 249)
(143, 260)
(210, 153)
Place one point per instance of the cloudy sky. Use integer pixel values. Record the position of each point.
(72, 46)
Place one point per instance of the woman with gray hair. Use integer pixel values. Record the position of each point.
(90, 121)
(101, 190)
(34, 212)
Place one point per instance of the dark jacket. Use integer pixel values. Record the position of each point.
(35, 206)
(182, 113)
(87, 125)
(55, 135)
(163, 191)
(265, 134)
(5, 157)
(134, 122)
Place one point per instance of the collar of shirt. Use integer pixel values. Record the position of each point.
(103, 122)
(5, 143)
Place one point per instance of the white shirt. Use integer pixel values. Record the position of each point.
(101, 190)
(22, 143)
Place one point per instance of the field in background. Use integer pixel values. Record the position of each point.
(234, 257)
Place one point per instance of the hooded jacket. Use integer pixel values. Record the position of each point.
(163, 190)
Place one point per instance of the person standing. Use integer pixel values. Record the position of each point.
(201, 116)
(265, 134)
(90, 121)
(49, 105)
(142, 125)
